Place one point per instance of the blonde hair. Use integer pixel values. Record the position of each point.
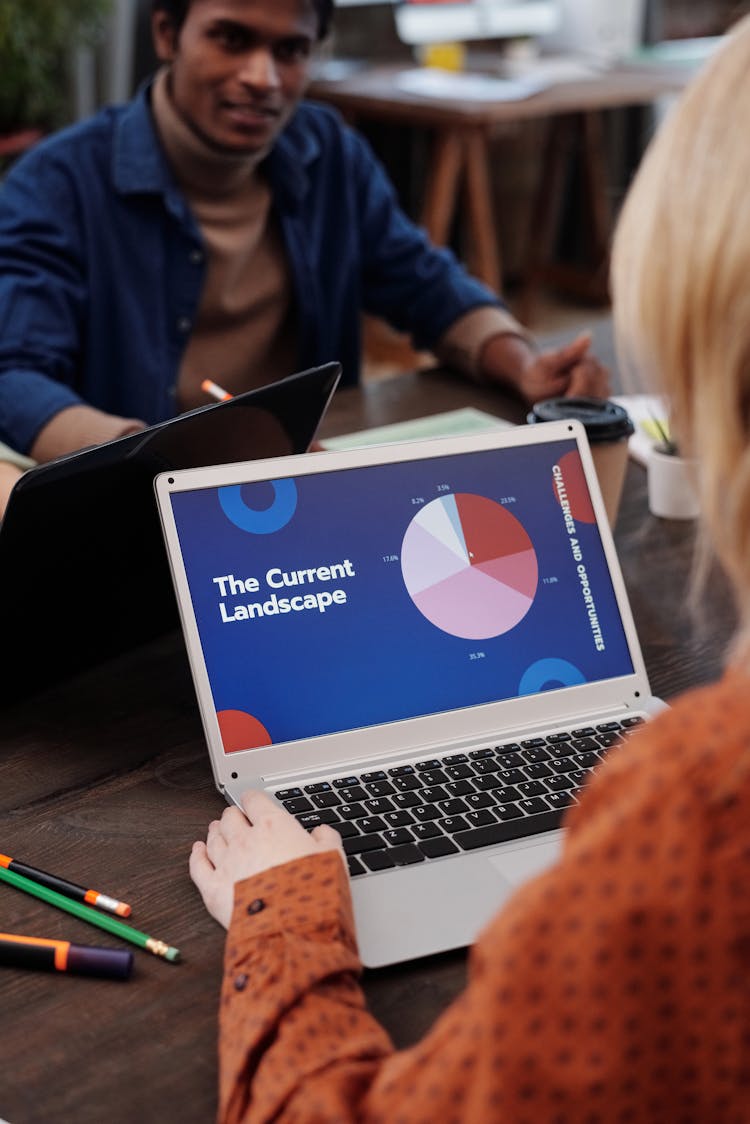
(681, 286)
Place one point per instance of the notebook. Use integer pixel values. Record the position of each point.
(82, 561)
(427, 645)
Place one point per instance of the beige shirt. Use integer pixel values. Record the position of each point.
(244, 333)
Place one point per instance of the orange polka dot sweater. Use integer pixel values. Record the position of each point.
(615, 987)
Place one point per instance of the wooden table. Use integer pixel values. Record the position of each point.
(463, 131)
(106, 779)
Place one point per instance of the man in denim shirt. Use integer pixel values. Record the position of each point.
(214, 226)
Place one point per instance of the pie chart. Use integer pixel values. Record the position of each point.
(469, 566)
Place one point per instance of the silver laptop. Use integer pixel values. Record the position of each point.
(426, 645)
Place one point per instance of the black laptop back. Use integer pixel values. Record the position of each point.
(83, 570)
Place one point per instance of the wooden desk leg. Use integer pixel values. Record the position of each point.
(442, 185)
(485, 260)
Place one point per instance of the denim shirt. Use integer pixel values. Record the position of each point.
(102, 264)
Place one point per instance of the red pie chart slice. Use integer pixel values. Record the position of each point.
(469, 566)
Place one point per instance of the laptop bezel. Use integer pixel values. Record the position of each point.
(330, 753)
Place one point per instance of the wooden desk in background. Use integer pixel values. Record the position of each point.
(105, 779)
(463, 132)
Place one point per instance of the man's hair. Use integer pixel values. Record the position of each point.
(177, 11)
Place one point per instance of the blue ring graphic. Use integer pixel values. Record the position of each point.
(547, 674)
(263, 522)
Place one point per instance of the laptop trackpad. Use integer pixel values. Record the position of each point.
(420, 910)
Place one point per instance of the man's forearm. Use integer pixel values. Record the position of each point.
(77, 427)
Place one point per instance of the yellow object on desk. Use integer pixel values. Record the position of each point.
(444, 56)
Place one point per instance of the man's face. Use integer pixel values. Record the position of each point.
(238, 68)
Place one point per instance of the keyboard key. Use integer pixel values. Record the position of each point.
(557, 784)
(480, 818)
(635, 720)
(345, 782)
(532, 788)
(397, 836)
(288, 793)
(537, 772)
(507, 811)
(378, 775)
(580, 776)
(453, 823)
(563, 765)
(353, 793)
(379, 860)
(512, 776)
(559, 800)
(401, 770)
(480, 800)
(436, 848)
(407, 783)
(355, 866)
(371, 823)
(379, 807)
(300, 804)
(458, 772)
(608, 727)
(426, 831)
(406, 800)
(346, 828)
(554, 739)
(580, 745)
(425, 812)
(319, 786)
(360, 843)
(509, 747)
(502, 832)
(584, 732)
(427, 766)
(380, 788)
(507, 795)
(534, 806)
(435, 776)
(490, 765)
(405, 855)
(488, 781)
(533, 756)
(309, 820)
(432, 795)
(510, 760)
(479, 754)
(398, 819)
(455, 759)
(532, 743)
(608, 740)
(326, 799)
(459, 788)
(586, 760)
(562, 749)
(351, 811)
(452, 807)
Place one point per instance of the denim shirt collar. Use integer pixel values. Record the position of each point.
(140, 166)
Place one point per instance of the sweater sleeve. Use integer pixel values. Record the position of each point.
(613, 987)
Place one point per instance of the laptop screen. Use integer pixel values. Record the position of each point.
(343, 599)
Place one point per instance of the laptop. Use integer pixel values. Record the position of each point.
(82, 564)
(427, 645)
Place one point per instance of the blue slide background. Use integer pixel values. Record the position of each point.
(376, 658)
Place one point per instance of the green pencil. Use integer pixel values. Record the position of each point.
(86, 913)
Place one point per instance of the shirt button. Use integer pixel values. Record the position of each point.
(240, 982)
(196, 257)
(183, 324)
(256, 906)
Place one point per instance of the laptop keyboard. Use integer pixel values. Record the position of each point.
(458, 802)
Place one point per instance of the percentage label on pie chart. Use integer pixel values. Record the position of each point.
(469, 566)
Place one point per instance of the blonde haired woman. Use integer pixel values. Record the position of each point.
(617, 986)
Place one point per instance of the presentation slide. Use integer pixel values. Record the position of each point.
(345, 599)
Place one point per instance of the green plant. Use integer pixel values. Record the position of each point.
(37, 38)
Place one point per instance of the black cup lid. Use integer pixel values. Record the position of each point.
(603, 420)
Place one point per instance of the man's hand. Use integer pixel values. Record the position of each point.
(9, 473)
(564, 371)
(238, 846)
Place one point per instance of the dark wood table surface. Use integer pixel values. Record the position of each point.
(105, 779)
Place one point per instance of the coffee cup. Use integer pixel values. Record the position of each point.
(608, 427)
